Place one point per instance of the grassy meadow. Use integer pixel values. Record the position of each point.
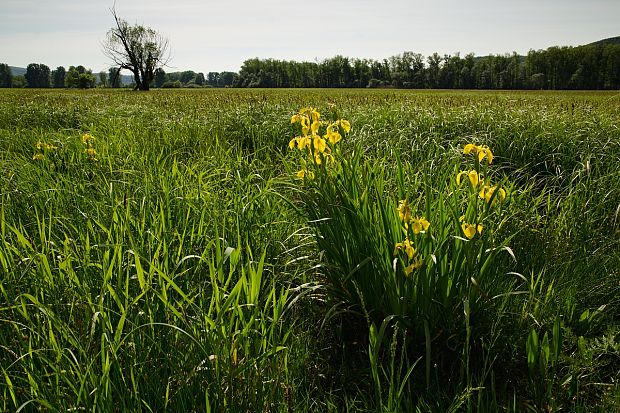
(208, 251)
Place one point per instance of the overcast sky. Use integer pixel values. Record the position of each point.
(218, 35)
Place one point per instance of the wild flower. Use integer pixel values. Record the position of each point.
(415, 264)
(304, 173)
(316, 145)
(481, 152)
(473, 175)
(420, 224)
(87, 139)
(413, 259)
(487, 192)
(41, 148)
(470, 229)
(405, 246)
(89, 142)
(404, 212)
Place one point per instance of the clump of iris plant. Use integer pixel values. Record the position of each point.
(317, 140)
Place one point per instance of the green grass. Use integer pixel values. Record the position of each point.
(187, 269)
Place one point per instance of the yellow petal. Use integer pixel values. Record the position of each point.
(315, 115)
(319, 144)
(483, 191)
(458, 177)
(404, 213)
(346, 126)
(420, 224)
(502, 194)
(305, 125)
(488, 195)
(416, 263)
(303, 141)
(425, 224)
(468, 230)
(474, 179)
(468, 148)
(410, 251)
(409, 269)
(292, 143)
(489, 155)
(416, 227)
(315, 127)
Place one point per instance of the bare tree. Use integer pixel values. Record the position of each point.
(136, 48)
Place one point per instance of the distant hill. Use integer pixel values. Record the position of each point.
(611, 40)
(17, 71)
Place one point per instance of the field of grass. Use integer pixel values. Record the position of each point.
(161, 251)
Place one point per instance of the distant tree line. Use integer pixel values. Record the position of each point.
(39, 75)
(191, 79)
(583, 67)
(595, 66)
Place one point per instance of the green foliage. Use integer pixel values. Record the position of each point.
(159, 253)
(6, 77)
(172, 85)
(114, 77)
(136, 48)
(159, 78)
(80, 78)
(58, 77)
(584, 67)
(37, 75)
(19, 81)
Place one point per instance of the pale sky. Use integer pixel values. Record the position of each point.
(218, 35)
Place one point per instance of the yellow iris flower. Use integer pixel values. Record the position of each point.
(474, 177)
(404, 212)
(415, 264)
(346, 126)
(470, 229)
(487, 192)
(314, 114)
(319, 144)
(420, 224)
(87, 137)
(332, 134)
(305, 125)
(304, 173)
(407, 247)
(481, 151)
(315, 127)
(469, 148)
